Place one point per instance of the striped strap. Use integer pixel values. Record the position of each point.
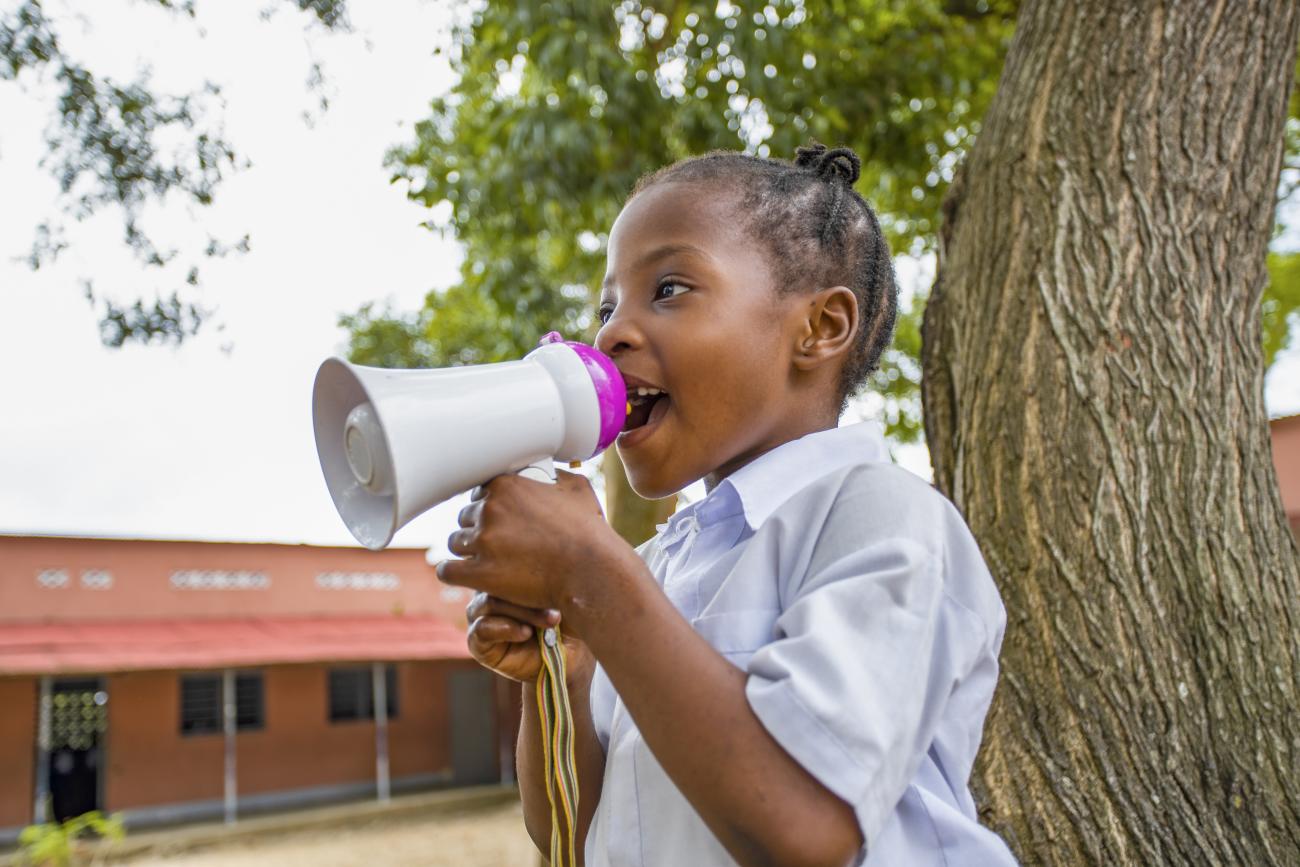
(557, 748)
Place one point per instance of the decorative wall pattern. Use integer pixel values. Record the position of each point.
(358, 581)
(52, 579)
(97, 579)
(205, 579)
(91, 579)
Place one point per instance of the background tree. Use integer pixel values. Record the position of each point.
(107, 148)
(561, 106)
(1094, 405)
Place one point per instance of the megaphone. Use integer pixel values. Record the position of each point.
(394, 443)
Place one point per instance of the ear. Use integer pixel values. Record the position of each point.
(828, 320)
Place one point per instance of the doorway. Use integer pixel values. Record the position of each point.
(473, 728)
(78, 724)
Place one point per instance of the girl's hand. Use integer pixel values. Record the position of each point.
(503, 637)
(536, 545)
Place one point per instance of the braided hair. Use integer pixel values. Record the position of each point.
(817, 231)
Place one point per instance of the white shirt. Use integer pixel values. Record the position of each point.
(856, 599)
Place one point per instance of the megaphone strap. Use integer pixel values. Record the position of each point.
(561, 772)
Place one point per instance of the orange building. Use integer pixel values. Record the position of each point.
(172, 681)
(1285, 434)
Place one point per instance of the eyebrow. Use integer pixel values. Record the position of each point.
(660, 253)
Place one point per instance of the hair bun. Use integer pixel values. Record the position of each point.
(830, 164)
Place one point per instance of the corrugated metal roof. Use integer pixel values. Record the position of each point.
(94, 647)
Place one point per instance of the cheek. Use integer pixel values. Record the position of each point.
(732, 386)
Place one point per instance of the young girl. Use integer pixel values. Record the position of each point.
(796, 669)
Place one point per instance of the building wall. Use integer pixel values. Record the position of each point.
(152, 764)
(142, 580)
(18, 698)
(149, 762)
(299, 746)
(419, 740)
(1285, 433)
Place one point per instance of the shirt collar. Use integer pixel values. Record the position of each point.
(719, 505)
(758, 489)
(766, 482)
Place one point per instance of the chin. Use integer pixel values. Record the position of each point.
(649, 480)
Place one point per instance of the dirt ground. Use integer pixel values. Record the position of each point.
(484, 837)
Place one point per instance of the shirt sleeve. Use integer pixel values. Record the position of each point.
(856, 680)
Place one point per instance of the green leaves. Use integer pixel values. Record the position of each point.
(1280, 307)
(561, 106)
(105, 148)
(63, 844)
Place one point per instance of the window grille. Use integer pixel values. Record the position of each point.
(201, 703)
(352, 693)
(248, 701)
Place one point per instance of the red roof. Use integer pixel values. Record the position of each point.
(103, 646)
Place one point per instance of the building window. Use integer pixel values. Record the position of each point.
(201, 703)
(352, 693)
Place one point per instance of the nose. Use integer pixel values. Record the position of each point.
(618, 335)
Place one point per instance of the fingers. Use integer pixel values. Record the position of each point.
(461, 543)
(471, 514)
(566, 479)
(484, 605)
(477, 607)
(459, 573)
(481, 491)
(487, 631)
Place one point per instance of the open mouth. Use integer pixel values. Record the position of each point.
(648, 405)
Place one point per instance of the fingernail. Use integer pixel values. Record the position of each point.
(528, 631)
(553, 615)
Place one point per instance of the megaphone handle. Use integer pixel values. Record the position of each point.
(541, 471)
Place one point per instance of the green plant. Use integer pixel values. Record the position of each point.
(67, 843)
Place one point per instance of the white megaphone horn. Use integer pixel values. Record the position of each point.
(395, 443)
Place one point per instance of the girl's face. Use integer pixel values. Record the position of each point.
(689, 309)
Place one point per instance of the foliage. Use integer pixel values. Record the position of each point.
(1281, 304)
(105, 147)
(1280, 307)
(561, 106)
(62, 844)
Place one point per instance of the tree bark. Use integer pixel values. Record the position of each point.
(1093, 392)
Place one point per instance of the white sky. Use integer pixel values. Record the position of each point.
(213, 440)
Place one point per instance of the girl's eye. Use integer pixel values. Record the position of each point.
(604, 312)
(669, 289)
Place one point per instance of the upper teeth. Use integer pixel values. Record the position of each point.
(646, 392)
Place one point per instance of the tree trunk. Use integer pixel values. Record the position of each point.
(631, 517)
(1093, 390)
